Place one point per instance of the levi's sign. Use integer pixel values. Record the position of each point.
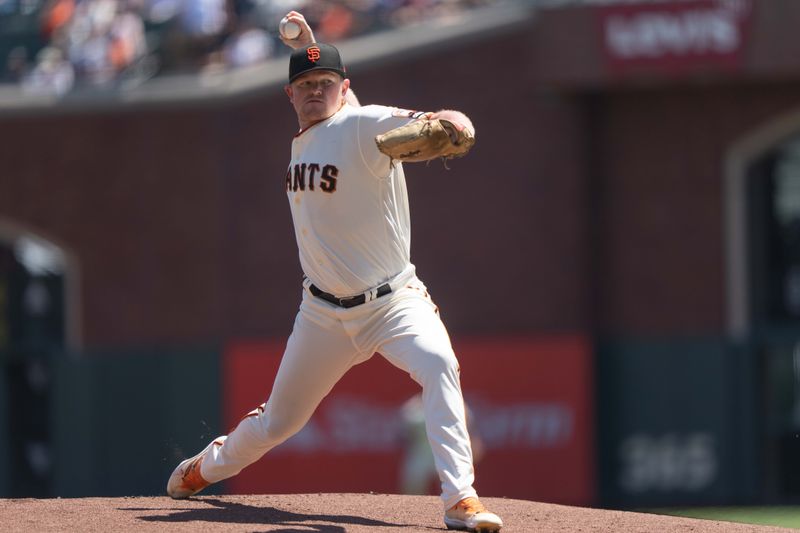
(675, 37)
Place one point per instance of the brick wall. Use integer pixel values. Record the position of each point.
(577, 210)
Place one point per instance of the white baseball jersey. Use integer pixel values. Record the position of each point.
(349, 202)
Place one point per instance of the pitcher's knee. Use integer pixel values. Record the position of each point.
(276, 431)
(266, 429)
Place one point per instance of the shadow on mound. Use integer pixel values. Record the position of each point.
(237, 513)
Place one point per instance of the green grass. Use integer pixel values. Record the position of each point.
(766, 516)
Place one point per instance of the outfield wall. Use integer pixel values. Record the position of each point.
(557, 419)
(121, 420)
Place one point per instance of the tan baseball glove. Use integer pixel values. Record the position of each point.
(425, 139)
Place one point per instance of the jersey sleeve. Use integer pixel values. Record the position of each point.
(374, 120)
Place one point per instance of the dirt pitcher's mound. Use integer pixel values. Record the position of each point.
(324, 513)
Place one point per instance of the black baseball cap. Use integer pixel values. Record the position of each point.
(315, 56)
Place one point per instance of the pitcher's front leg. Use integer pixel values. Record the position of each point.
(316, 357)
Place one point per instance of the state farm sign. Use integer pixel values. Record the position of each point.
(532, 414)
(675, 37)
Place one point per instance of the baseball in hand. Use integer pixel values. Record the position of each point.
(289, 30)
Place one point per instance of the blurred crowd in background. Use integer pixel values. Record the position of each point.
(54, 46)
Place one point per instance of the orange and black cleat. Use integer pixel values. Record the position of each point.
(186, 479)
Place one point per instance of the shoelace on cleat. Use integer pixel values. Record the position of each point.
(189, 470)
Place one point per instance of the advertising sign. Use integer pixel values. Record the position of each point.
(676, 429)
(530, 419)
(675, 37)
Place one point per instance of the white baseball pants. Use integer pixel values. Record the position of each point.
(326, 341)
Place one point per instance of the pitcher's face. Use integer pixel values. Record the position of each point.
(317, 95)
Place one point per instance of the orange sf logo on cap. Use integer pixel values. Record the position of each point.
(313, 54)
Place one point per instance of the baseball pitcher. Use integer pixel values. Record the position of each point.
(348, 199)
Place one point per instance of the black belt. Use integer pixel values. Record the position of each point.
(352, 301)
